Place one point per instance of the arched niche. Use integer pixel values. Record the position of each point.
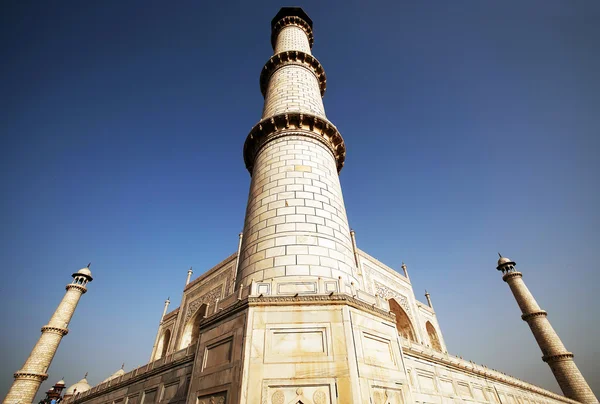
(163, 344)
(191, 332)
(403, 324)
(433, 337)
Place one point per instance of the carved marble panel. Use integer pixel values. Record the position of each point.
(294, 394)
(216, 398)
(385, 395)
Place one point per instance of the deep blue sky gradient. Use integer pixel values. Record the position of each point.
(471, 127)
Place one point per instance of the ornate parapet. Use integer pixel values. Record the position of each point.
(56, 330)
(294, 123)
(291, 20)
(510, 275)
(292, 57)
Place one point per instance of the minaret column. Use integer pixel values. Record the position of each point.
(296, 224)
(34, 371)
(568, 376)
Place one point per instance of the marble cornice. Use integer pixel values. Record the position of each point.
(295, 21)
(294, 123)
(292, 57)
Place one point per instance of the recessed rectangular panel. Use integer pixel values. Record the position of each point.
(289, 288)
(447, 387)
(216, 398)
(263, 289)
(478, 393)
(463, 389)
(298, 341)
(218, 354)
(426, 382)
(377, 350)
(170, 391)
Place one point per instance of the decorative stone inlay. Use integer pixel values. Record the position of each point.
(278, 397)
(558, 357)
(291, 20)
(320, 397)
(541, 313)
(30, 376)
(294, 123)
(207, 298)
(56, 330)
(293, 57)
(510, 275)
(386, 293)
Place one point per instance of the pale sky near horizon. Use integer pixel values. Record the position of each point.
(471, 127)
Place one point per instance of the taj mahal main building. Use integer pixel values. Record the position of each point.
(300, 314)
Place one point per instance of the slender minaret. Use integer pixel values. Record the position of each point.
(296, 224)
(189, 276)
(405, 269)
(167, 302)
(34, 371)
(428, 297)
(555, 354)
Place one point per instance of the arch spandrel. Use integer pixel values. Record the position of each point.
(403, 324)
(434, 339)
(191, 332)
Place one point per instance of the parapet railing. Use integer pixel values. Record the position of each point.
(142, 370)
(444, 358)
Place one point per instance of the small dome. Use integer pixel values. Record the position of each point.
(118, 373)
(85, 271)
(60, 383)
(78, 387)
(503, 261)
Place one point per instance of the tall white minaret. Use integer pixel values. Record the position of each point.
(568, 376)
(296, 224)
(34, 371)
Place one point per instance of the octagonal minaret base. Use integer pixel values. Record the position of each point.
(568, 376)
(34, 371)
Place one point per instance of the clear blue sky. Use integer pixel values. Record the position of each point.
(471, 126)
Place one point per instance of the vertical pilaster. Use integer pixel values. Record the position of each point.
(167, 302)
(34, 371)
(568, 376)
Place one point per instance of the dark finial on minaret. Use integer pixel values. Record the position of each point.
(89, 265)
(123, 365)
(85, 376)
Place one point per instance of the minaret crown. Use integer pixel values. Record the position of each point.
(291, 16)
(505, 264)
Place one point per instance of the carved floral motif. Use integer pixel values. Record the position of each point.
(207, 298)
(387, 293)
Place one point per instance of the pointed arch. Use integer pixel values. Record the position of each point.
(163, 344)
(433, 336)
(403, 324)
(191, 332)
